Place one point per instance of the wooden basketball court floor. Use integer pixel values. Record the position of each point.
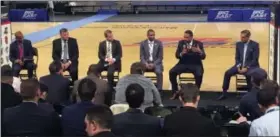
(219, 41)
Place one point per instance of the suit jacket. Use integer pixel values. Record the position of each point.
(116, 51)
(73, 50)
(27, 50)
(190, 58)
(73, 118)
(9, 98)
(189, 122)
(29, 119)
(252, 54)
(105, 134)
(157, 53)
(135, 123)
(58, 88)
(101, 90)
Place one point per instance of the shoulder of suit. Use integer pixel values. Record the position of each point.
(180, 41)
(197, 41)
(71, 38)
(158, 41)
(26, 40)
(254, 42)
(117, 41)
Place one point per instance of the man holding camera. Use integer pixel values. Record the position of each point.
(190, 53)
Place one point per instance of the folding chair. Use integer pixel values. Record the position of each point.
(23, 73)
(241, 83)
(186, 77)
(151, 75)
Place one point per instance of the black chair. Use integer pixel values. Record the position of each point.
(241, 83)
(153, 77)
(117, 72)
(24, 74)
(186, 78)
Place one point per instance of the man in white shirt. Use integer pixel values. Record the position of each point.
(246, 60)
(151, 54)
(268, 99)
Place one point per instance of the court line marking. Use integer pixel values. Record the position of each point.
(194, 28)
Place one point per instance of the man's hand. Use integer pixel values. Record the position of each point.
(184, 51)
(66, 65)
(243, 70)
(110, 61)
(241, 119)
(196, 49)
(151, 66)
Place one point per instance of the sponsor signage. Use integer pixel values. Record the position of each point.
(217, 15)
(28, 15)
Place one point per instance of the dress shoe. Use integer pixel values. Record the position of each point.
(222, 97)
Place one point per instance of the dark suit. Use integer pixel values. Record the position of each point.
(58, 88)
(28, 119)
(189, 122)
(135, 123)
(73, 52)
(189, 62)
(105, 134)
(116, 54)
(101, 91)
(157, 56)
(249, 105)
(73, 118)
(9, 97)
(27, 57)
(251, 62)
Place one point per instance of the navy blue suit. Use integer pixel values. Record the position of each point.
(27, 55)
(251, 62)
(73, 119)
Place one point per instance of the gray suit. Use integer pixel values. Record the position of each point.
(101, 85)
(157, 58)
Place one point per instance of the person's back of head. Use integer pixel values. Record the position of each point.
(269, 94)
(134, 95)
(55, 67)
(6, 70)
(98, 118)
(30, 89)
(137, 68)
(189, 95)
(94, 69)
(257, 76)
(86, 89)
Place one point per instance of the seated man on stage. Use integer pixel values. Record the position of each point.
(190, 53)
(21, 55)
(151, 54)
(246, 60)
(65, 49)
(110, 54)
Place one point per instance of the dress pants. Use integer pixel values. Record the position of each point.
(29, 65)
(73, 71)
(110, 72)
(196, 70)
(233, 71)
(158, 71)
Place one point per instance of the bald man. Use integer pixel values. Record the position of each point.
(21, 55)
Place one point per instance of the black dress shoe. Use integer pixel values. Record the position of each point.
(222, 97)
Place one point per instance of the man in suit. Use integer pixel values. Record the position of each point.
(102, 86)
(65, 49)
(134, 122)
(6, 70)
(246, 60)
(110, 54)
(58, 85)
(190, 53)
(73, 116)
(28, 118)
(99, 121)
(175, 124)
(21, 55)
(151, 55)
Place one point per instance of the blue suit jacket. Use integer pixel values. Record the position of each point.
(252, 54)
(27, 50)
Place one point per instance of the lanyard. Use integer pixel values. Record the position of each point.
(272, 110)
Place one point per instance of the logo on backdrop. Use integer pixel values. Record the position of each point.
(258, 14)
(29, 15)
(223, 15)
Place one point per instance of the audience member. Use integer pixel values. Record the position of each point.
(101, 85)
(73, 116)
(6, 70)
(188, 121)
(249, 105)
(134, 122)
(152, 95)
(9, 97)
(99, 121)
(57, 84)
(28, 119)
(43, 93)
(268, 124)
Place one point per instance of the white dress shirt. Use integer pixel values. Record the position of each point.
(109, 49)
(266, 125)
(244, 53)
(151, 49)
(62, 50)
(16, 84)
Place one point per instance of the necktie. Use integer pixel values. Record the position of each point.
(151, 51)
(20, 47)
(65, 55)
(109, 50)
(244, 55)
